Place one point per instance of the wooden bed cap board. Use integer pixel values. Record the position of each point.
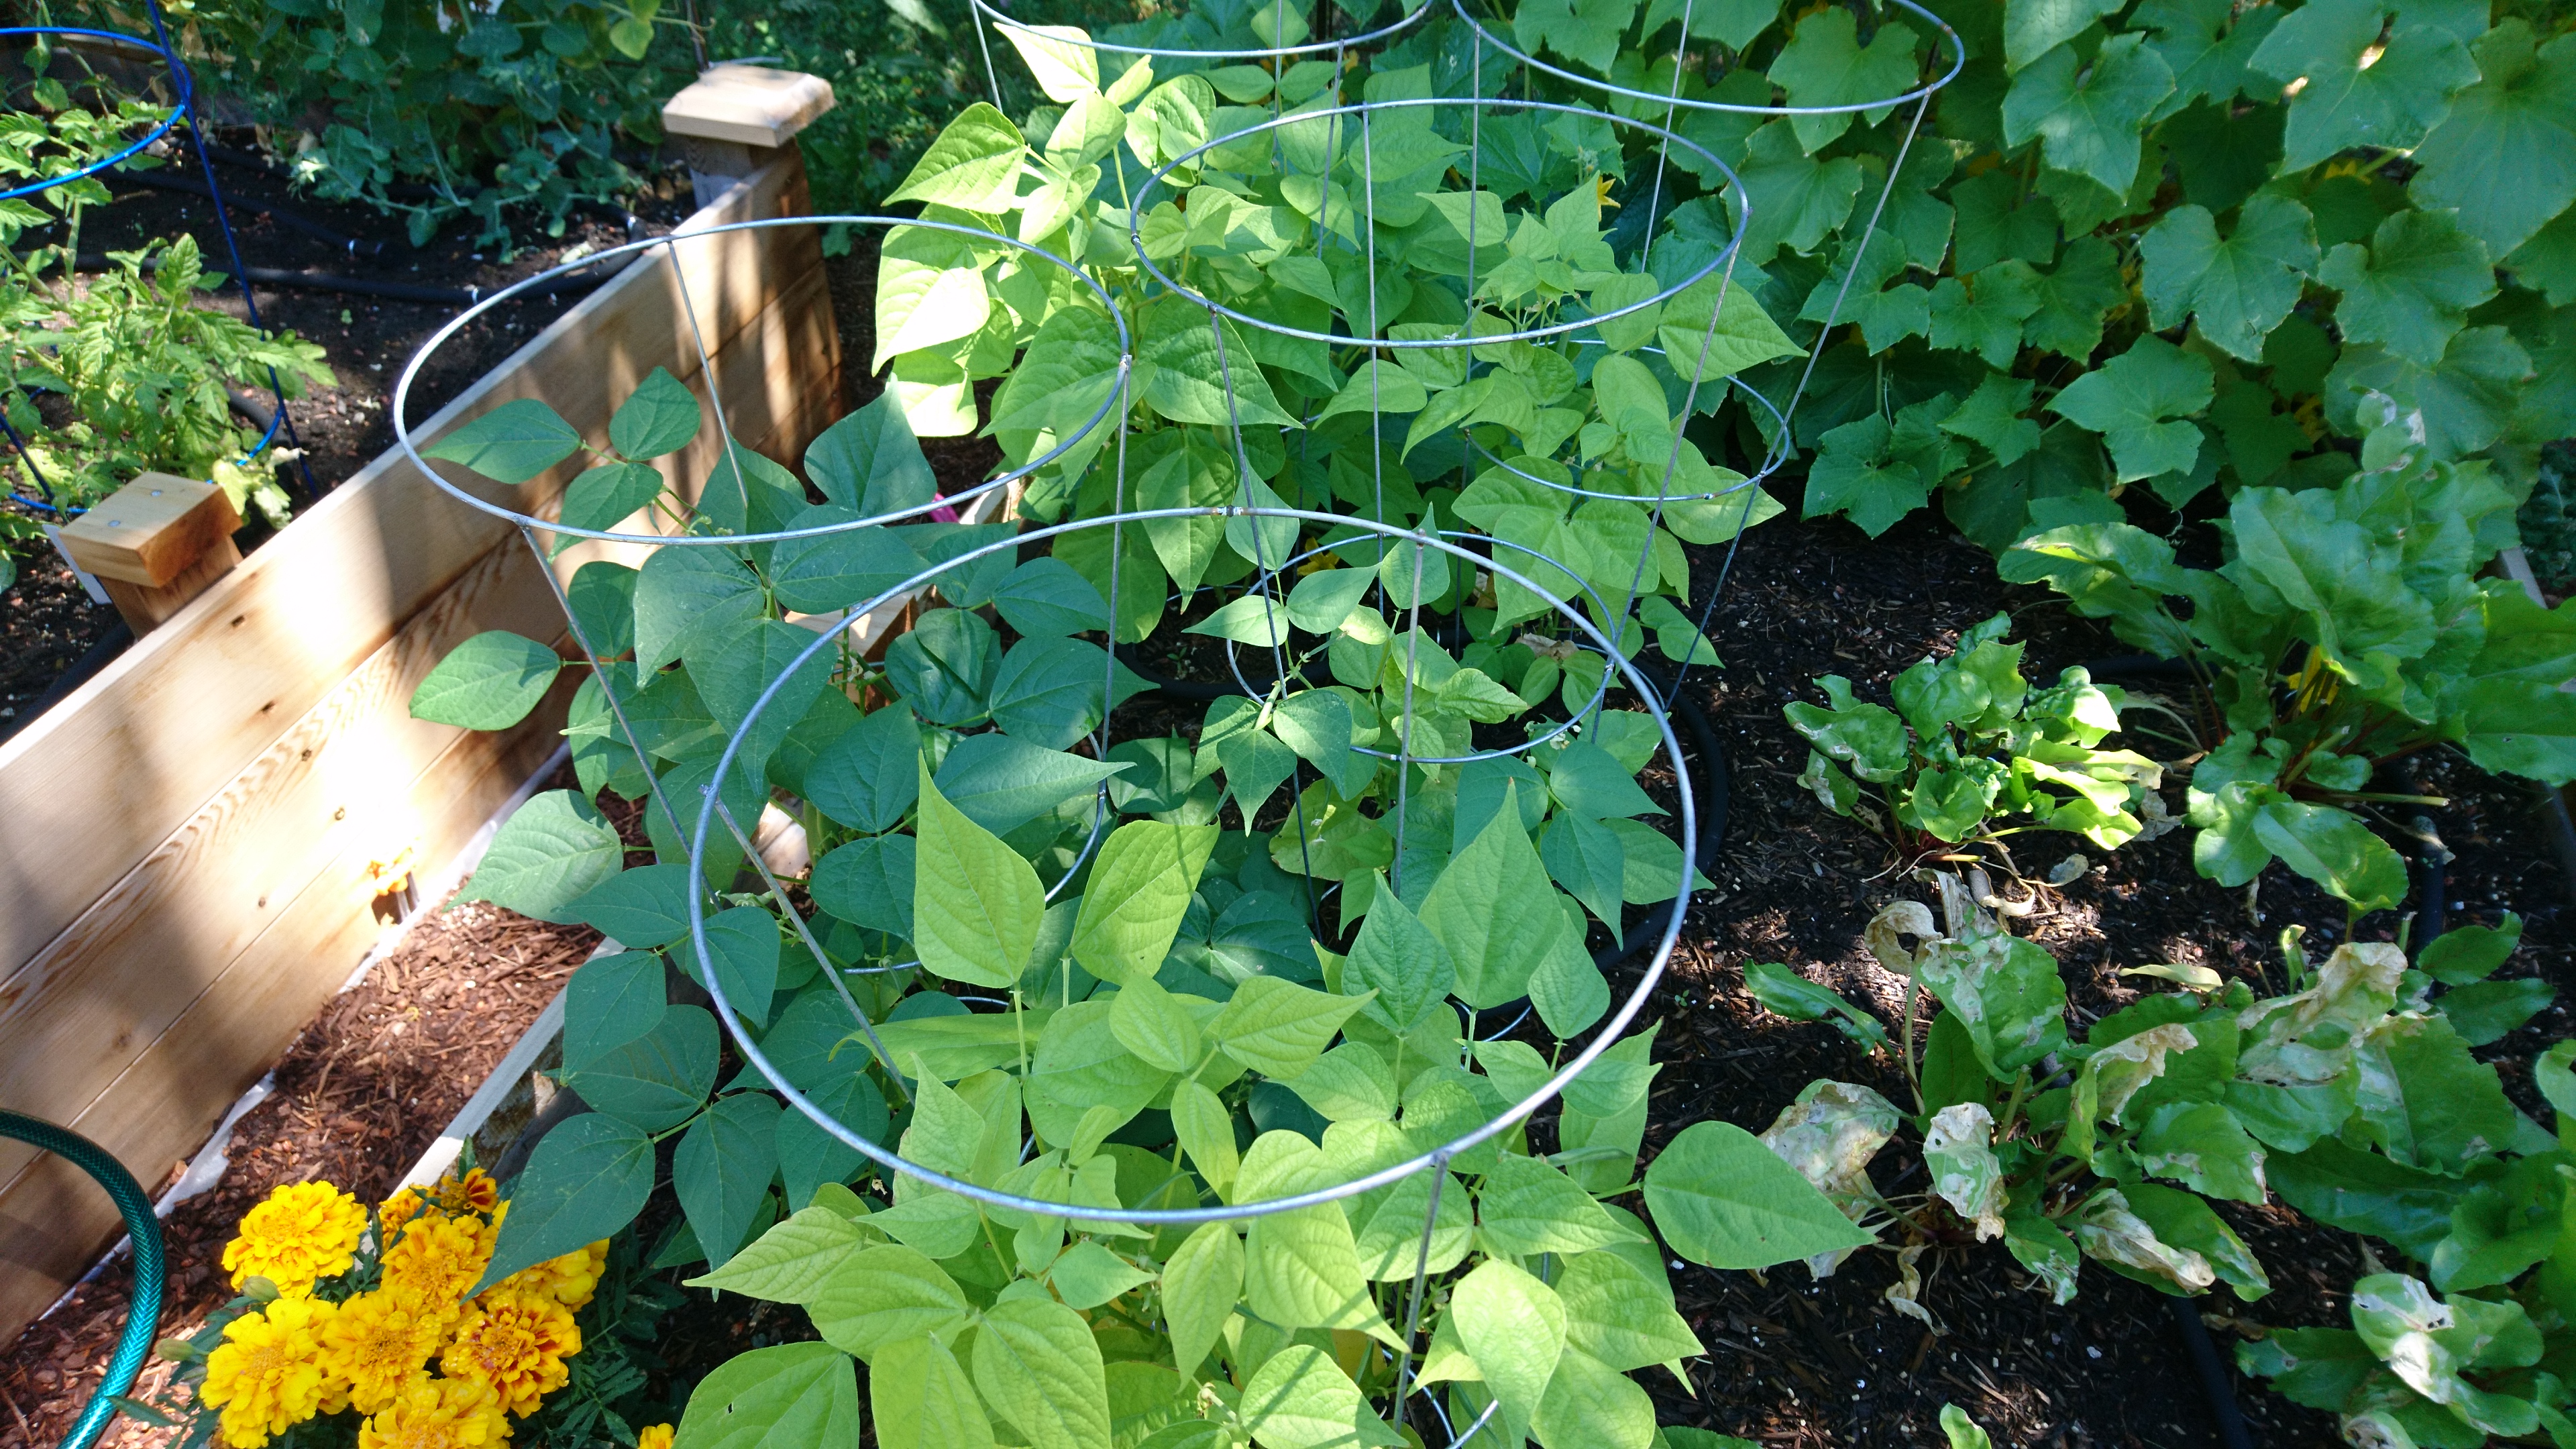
(749, 104)
(150, 529)
(186, 841)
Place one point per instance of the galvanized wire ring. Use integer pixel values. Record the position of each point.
(1725, 255)
(1438, 1157)
(180, 76)
(411, 371)
(1958, 63)
(1276, 52)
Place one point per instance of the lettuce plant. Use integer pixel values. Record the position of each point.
(2354, 1096)
(1970, 741)
(2346, 628)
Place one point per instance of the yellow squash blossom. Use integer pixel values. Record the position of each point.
(438, 1414)
(570, 1280)
(378, 1343)
(653, 1436)
(267, 1373)
(436, 1260)
(303, 1232)
(517, 1344)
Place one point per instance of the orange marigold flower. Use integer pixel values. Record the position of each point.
(570, 1280)
(378, 1343)
(437, 1260)
(438, 1414)
(397, 1210)
(267, 1373)
(654, 1436)
(516, 1343)
(303, 1232)
(475, 1192)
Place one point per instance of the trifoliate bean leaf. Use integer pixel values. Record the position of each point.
(2240, 288)
(2350, 97)
(2412, 287)
(2135, 401)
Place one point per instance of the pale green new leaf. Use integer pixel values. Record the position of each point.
(1722, 1199)
(975, 904)
(1037, 1363)
(974, 165)
(1140, 888)
(792, 1396)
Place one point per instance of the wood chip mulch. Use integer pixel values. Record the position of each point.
(364, 1090)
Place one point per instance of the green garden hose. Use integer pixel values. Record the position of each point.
(143, 1313)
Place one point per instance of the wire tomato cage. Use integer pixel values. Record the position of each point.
(715, 828)
(1488, 85)
(183, 107)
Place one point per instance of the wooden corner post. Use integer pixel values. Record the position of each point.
(735, 119)
(155, 544)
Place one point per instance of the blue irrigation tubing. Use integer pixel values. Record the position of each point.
(143, 1312)
(179, 75)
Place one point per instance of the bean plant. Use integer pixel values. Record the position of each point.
(1170, 973)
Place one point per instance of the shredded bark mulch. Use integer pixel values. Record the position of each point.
(364, 1090)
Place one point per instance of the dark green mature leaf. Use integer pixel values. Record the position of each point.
(2364, 1192)
(1001, 783)
(489, 682)
(682, 592)
(512, 443)
(2467, 401)
(944, 666)
(841, 569)
(547, 855)
(792, 1396)
(2032, 28)
(869, 776)
(660, 1079)
(2506, 155)
(1492, 902)
(870, 461)
(2485, 1012)
(1047, 596)
(2139, 401)
(2240, 288)
(2390, 101)
(1824, 65)
(2411, 289)
(2432, 1105)
(1723, 1200)
(646, 907)
(2469, 953)
(660, 416)
(869, 883)
(587, 1179)
(1585, 31)
(2073, 298)
(1797, 200)
(1984, 314)
(1049, 691)
(610, 1001)
(2088, 117)
(1856, 475)
(606, 496)
(1992, 415)
(2335, 849)
(723, 1168)
(1400, 959)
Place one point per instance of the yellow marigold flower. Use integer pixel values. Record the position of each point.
(267, 1373)
(305, 1231)
(515, 1342)
(377, 1343)
(570, 1280)
(436, 1260)
(397, 1210)
(654, 1436)
(437, 1414)
(475, 1192)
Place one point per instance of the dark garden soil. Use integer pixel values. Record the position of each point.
(47, 624)
(368, 339)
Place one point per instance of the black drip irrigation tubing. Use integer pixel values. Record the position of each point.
(369, 287)
(291, 220)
